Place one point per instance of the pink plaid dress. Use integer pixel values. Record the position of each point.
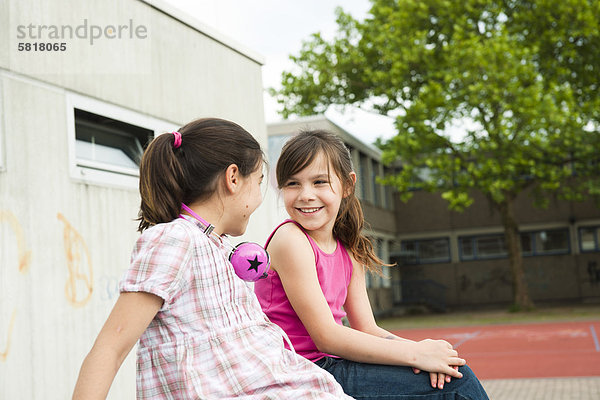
(210, 339)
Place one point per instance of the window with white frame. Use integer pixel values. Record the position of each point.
(106, 142)
(589, 238)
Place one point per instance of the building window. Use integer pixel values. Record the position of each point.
(371, 280)
(388, 198)
(374, 184)
(106, 142)
(545, 242)
(589, 238)
(362, 176)
(382, 250)
(425, 251)
(533, 243)
(478, 247)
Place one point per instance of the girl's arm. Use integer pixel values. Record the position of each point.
(360, 315)
(293, 259)
(129, 318)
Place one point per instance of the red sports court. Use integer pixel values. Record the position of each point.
(536, 350)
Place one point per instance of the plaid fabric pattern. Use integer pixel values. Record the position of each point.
(210, 339)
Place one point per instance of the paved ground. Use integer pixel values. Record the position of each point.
(543, 389)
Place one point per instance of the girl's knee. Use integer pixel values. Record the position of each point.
(470, 385)
(466, 371)
(469, 377)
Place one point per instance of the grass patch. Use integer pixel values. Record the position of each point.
(492, 317)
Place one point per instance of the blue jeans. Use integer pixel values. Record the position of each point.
(374, 381)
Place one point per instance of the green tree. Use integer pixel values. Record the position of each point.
(520, 77)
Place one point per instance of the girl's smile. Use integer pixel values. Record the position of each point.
(309, 210)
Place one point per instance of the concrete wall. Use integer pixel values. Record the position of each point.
(426, 212)
(65, 243)
(380, 219)
(560, 278)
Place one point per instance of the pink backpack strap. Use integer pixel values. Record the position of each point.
(278, 226)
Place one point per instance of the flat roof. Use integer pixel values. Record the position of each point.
(187, 19)
(320, 121)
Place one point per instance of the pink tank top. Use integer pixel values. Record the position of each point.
(334, 272)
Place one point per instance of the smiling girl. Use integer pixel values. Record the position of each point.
(319, 259)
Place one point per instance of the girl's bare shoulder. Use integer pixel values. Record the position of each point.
(288, 233)
(290, 242)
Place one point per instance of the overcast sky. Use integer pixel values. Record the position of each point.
(275, 29)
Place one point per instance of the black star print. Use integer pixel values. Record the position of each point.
(254, 264)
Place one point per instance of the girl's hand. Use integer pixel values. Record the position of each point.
(438, 356)
(436, 379)
(439, 379)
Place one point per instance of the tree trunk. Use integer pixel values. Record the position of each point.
(521, 300)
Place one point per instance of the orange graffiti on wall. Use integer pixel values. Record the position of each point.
(13, 222)
(11, 325)
(74, 245)
(24, 258)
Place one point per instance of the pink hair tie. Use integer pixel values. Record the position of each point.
(177, 140)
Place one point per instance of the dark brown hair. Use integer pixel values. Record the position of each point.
(170, 176)
(297, 154)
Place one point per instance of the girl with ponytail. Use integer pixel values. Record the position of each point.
(319, 258)
(201, 331)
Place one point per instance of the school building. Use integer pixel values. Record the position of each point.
(464, 256)
(447, 259)
(82, 89)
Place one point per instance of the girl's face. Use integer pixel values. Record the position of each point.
(312, 197)
(247, 202)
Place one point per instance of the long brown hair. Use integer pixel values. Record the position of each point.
(297, 154)
(170, 176)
